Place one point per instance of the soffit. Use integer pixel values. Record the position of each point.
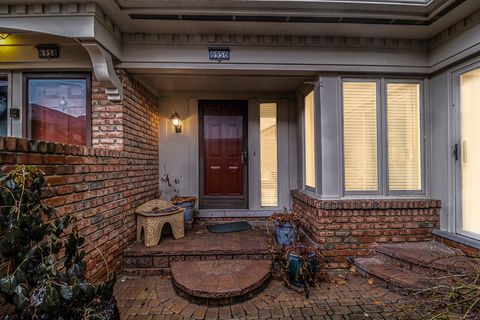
(415, 19)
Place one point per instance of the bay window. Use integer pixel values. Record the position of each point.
(382, 136)
(403, 137)
(360, 136)
(58, 108)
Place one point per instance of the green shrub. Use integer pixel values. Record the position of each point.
(43, 262)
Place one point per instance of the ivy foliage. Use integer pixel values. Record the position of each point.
(43, 262)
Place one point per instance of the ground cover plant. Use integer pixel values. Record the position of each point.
(455, 296)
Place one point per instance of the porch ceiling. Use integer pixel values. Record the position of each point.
(246, 82)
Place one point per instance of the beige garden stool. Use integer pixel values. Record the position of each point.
(152, 216)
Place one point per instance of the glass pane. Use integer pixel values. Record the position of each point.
(360, 136)
(310, 140)
(3, 104)
(470, 150)
(268, 154)
(57, 110)
(404, 144)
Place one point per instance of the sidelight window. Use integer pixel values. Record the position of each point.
(309, 140)
(268, 154)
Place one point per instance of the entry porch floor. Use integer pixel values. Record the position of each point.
(200, 241)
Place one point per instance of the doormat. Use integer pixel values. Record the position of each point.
(229, 227)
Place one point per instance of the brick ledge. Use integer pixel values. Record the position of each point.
(457, 238)
(364, 204)
(14, 144)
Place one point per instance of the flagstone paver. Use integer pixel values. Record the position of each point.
(154, 298)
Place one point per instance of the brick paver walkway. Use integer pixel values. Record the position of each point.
(154, 298)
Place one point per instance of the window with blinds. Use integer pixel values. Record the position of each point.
(268, 155)
(360, 136)
(310, 140)
(403, 134)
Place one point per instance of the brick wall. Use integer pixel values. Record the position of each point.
(350, 228)
(122, 125)
(101, 185)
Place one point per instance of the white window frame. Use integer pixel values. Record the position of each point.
(9, 100)
(382, 139)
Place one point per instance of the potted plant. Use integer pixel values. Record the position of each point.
(170, 191)
(301, 264)
(286, 227)
(188, 203)
(42, 258)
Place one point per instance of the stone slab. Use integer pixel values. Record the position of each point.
(393, 275)
(217, 280)
(428, 254)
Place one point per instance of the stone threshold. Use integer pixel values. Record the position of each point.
(233, 213)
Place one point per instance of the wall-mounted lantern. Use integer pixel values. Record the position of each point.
(177, 122)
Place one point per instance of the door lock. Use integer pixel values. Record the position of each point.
(244, 157)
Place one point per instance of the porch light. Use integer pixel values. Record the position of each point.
(177, 122)
(4, 36)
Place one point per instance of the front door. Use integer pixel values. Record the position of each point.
(467, 152)
(223, 154)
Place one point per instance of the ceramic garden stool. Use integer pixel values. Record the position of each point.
(153, 215)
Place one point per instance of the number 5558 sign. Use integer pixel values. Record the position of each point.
(219, 54)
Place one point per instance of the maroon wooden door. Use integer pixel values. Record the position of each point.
(223, 158)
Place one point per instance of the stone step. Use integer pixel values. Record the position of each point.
(220, 282)
(159, 265)
(197, 245)
(392, 276)
(424, 257)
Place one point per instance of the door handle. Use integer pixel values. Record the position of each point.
(455, 151)
(244, 157)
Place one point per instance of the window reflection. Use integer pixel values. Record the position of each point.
(58, 110)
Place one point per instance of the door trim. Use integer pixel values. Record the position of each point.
(212, 202)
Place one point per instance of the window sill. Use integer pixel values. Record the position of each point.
(365, 203)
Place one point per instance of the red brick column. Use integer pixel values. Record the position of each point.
(350, 228)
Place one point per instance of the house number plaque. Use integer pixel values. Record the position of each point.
(48, 51)
(219, 54)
